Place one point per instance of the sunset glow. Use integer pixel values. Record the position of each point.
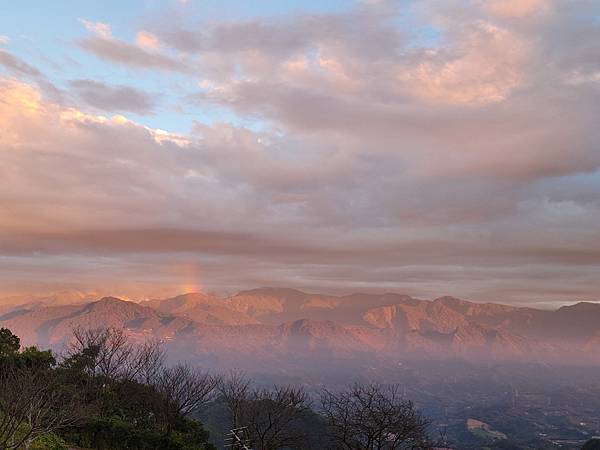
(371, 146)
(300, 225)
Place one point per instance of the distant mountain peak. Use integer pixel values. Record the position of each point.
(111, 300)
(268, 290)
(581, 306)
(450, 300)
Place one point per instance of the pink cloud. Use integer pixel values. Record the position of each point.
(515, 8)
(146, 40)
(100, 29)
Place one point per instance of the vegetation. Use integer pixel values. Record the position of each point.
(107, 393)
(361, 417)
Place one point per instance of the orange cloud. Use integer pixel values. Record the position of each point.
(488, 66)
(20, 109)
(146, 40)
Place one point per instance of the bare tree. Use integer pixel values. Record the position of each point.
(373, 417)
(234, 387)
(115, 357)
(273, 417)
(184, 389)
(111, 349)
(147, 362)
(32, 403)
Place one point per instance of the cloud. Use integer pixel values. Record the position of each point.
(143, 55)
(131, 55)
(113, 97)
(146, 40)
(419, 148)
(515, 8)
(17, 66)
(122, 184)
(473, 103)
(100, 29)
(489, 66)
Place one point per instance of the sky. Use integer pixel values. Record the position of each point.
(431, 147)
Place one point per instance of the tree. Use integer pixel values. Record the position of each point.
(234, 388)
(273, 417)
(109, 347)
(147, 362)
(9, 343)
(373, 417)
(111, 354)
(32, 400)
(29, 357)
(99, 396)
(138, 403)
(184, 389)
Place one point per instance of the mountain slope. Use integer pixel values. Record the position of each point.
(269, 324)
(52, 326)
(202, 308)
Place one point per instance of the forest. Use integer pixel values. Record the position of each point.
(104, 391)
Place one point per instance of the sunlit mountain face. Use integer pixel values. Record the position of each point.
(275, 329)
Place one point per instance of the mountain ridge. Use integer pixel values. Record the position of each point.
(272, 323)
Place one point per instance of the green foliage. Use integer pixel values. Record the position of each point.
(82, 362)
(34, 358)
(9, 343)
(128, 416)
(29, 357)
(49, 441)
(118, 433)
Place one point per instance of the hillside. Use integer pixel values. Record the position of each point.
(268, 324)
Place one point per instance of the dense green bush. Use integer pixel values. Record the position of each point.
(49, 441)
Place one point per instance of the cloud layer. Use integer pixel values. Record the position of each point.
(107, 97)
(417, 147)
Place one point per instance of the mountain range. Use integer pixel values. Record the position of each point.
(268, 325)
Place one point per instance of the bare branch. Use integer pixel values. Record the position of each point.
(369, 417)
